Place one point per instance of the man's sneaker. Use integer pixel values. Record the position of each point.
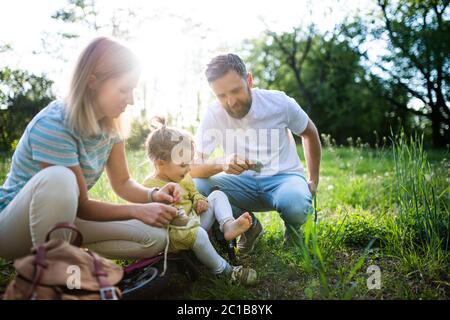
(245, 276)
(248, 239)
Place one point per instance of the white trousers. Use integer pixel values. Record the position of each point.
(50, 197)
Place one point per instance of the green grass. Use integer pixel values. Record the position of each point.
(372, 209)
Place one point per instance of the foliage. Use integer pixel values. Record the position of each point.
(140, 129)
(326, 76)
(417, 59)
(348, 92)
(22, 96)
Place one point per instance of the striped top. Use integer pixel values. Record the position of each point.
(48, 139)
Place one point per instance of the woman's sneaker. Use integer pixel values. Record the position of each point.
(245, 276)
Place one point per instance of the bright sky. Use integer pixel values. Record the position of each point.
(173, 54)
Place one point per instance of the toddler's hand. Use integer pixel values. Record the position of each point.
(202, 206)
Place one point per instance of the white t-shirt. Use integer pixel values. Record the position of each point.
(264, 134)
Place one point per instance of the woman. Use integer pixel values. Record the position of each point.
(63, 152)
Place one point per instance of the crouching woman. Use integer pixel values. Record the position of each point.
(64, 151)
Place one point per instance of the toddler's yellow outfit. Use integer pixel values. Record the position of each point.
(182, 237)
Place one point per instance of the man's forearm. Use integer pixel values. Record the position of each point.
(313, 152)
(205, 170)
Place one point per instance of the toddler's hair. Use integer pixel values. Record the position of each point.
(168, 143)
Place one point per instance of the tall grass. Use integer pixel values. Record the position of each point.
(416, 233)
(317, 258)
(420, 222)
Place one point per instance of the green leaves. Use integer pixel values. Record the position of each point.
(22, 95)
(326, 75)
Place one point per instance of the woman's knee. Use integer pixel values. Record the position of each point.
(58, 191)
(59, 182)
(55, 196)
(154, 238)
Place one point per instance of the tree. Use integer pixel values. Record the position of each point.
(418, 63)
(86, 13)
(84, 17)
(324, 74)
(5, 47)
(22, 96)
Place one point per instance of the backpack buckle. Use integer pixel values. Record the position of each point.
(108, 293)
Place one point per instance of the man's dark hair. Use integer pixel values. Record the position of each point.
(220, 65)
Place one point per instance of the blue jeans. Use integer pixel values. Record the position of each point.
(287, 193)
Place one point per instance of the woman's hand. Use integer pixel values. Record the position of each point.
(155, 214)
(202, 206)
(170, 193)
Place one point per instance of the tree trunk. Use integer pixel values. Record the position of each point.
(437, 120)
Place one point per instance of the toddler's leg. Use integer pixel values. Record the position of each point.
(218, 209)
(219, 204)
(207, 218)
(207, 255)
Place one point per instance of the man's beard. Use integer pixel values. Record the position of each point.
(246, 108)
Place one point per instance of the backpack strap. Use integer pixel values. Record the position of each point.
(107, 292)
(66, 225)
(40, 264)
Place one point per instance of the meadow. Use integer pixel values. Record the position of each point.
(380, 230)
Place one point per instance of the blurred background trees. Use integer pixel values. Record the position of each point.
(22, 96)
(375, 71)
(325, 74)
(349, 94)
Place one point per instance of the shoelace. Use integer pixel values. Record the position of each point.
(166, 250)
(236, 273)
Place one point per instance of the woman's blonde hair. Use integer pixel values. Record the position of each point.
(105, 59)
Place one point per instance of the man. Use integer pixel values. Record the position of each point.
(262, 170)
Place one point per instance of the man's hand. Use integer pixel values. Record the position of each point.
(236, 165)
(202, 206)
(170, 193)
(312, 185)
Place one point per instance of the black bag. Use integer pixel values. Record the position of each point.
(142, 279)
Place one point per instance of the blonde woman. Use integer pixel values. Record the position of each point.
(63, 152)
